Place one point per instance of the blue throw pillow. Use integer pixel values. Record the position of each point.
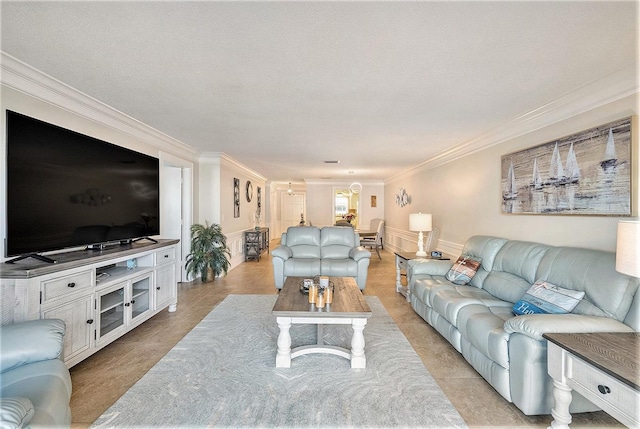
(544, 297)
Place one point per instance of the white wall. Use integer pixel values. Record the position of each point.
(320, 201)
(464, 195)
(215, 196)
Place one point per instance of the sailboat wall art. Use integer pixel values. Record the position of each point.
(588, 173)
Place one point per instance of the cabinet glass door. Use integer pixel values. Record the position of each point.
(112, 310)
(140, 296)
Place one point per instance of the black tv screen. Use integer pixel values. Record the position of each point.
(65, 189)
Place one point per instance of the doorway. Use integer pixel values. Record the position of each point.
(293, 210)
(176, 208)
(346, 206)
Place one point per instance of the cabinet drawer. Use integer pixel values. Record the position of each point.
(165, 255)
(68, 284)
(618, 395)
(402, 264)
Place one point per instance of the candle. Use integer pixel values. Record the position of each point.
(328, 294)
(313, 293)
(320, 301)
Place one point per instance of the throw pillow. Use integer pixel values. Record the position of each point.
(15, 412)
(463, 270)
(544, 297)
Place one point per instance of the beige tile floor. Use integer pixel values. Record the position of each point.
(102, 378)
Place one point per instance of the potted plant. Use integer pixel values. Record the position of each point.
(209, 255)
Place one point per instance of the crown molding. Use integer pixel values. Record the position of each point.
(219, 157)
(24, 78)
(610, 88)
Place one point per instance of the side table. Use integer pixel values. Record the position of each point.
(602, 367)
(402, 259)
(256, 241)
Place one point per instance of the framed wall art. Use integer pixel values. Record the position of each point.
(236, 197)
(259, 195)
(587, 173)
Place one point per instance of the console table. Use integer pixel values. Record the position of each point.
(256, 241)
(402, 258)
(602, 367)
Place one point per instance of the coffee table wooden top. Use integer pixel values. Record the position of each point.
(348, 300)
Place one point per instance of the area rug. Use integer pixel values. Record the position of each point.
(222, 374)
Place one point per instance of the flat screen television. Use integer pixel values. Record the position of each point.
(66, 189)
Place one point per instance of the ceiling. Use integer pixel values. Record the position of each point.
(284, 86)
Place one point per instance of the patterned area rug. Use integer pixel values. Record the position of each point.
(222, 374)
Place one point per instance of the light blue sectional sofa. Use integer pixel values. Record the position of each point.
(508, 351)
(35, 385)
(308, 251)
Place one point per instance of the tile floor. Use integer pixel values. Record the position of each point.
(102, 378)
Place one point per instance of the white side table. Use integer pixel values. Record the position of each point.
(602, 367)
(402, 260)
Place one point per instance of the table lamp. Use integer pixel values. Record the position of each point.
(628, 248)
(420, 222)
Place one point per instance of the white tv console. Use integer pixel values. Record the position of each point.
(100, 294)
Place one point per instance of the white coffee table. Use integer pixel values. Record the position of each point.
(348, 308)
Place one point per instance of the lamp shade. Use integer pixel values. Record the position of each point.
(628, 248)
(419, 222)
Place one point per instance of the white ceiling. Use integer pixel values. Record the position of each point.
(283, 86)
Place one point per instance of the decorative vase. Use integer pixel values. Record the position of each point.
(210, 275)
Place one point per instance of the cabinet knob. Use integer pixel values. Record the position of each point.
(90, 321)
(71, 284)
(133, 301)
(157, 287)
(603, 389)
(166, 256)
(126, 304)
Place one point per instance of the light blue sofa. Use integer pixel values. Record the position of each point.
(508, 351)
(35, 386)
(307, 251)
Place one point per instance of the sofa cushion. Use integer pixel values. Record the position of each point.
(545, 297)
(483, 327)
(514, 269)
(304, 241)
(484, 248)
(32, 341)
(339, 267)
(15, 412)
(302, 267)
(463, 270)
(424, 288)
(337, 242)
(448, 302)
(608, 293)
(506, 286)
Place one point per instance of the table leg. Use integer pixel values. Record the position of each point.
(358, 359)
(560, 411)
(398, 277)
(283, 356)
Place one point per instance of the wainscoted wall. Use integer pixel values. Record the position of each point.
(464, 194)
(401, 240)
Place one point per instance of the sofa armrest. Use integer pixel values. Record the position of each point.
(433, 267)
(15, 412)
(30, 342)
(358, 253)
(534, 325)
(282, 252)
